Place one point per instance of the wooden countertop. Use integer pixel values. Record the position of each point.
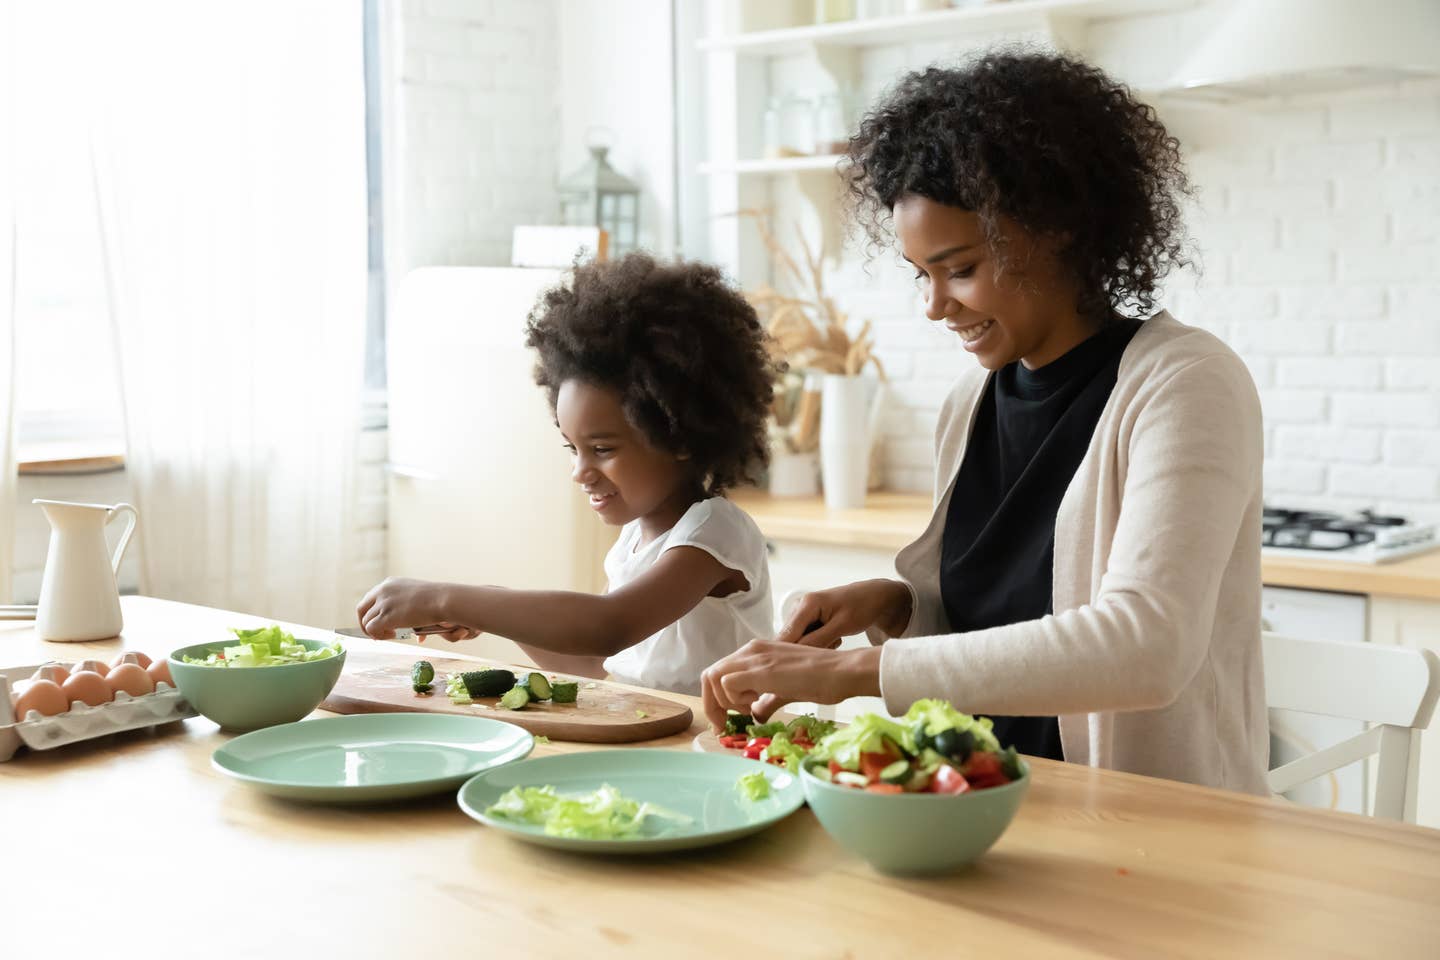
(135, 837)
(889, 521)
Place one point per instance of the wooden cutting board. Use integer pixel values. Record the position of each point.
(604, 712)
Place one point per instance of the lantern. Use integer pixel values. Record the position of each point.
(597, 196)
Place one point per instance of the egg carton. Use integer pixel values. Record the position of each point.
(81, 721)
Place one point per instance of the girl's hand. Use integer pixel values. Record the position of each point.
(764, 675)
(398, 602)
(825, 617)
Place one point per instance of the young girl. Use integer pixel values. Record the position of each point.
(660, 381)
(1091, 574)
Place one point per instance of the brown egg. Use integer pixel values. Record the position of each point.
(89, 688)
(132, 656)
(93, 666)
(130, 678)
(43, 695)
(52, 671)
(160, 670)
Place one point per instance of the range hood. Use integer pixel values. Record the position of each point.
(1274, 48)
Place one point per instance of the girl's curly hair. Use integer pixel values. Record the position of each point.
(1047, 141)
(683, 348)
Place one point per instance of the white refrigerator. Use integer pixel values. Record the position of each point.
(479, 486)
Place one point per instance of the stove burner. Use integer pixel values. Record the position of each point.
(1314, 530)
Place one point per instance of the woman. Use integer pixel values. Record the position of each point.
(1091, 574)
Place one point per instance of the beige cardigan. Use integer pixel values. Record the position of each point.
(1152, 657)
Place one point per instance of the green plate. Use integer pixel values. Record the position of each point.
(368, 757)
(699, 785)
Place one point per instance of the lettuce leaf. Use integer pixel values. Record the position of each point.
(938, 715)
(265, 647)
(753, 786)
(867, 733)
(782, 748)
(603, 814)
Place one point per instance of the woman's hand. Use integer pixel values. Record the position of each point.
(396, 603)
(825, 617)
(453, 632)
(765, 675)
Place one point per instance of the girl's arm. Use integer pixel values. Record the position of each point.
(565, 663)
(576, 624)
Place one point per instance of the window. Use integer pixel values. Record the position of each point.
(67, 384)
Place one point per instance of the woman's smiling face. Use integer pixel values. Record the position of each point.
(1027, 312)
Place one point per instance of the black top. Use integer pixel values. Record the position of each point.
(996, 562)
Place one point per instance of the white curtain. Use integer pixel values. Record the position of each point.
(230, 171)
(7, 304)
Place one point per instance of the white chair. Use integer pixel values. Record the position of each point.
(1392, 688)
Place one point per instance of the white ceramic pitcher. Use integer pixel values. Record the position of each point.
(79, 599)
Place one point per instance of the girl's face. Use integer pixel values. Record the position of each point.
(1026, 313)
(624, 476)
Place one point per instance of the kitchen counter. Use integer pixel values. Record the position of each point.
(889, 521)
(135, 837)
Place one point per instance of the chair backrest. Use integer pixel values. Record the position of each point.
(1393, 688)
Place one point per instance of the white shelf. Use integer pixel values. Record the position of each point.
(931, 25)
(765, 167)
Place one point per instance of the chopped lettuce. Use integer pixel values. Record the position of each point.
(782, 748)
(265, 647)
(938, 715)
(753, 786)
(867, 733)
(455, 689)
(814, 727)
(603, 814)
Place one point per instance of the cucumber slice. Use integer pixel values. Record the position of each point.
(847, 779)
(897, 772)
(737, 722)
(515, 698)
(487, 683)
(538, 685)
(562, 691)
(422, 673)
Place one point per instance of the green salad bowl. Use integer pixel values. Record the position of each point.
(915, 833)
(248, 698)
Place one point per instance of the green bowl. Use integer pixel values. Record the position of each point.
(248, 698)
(915, 833)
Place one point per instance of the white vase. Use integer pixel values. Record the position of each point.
(849, 419)
(794, 475)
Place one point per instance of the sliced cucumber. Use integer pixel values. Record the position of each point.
(922, 738)
(538, 685)
(897, 772)
(487, 683)
(515, 698)
(562, 691)
(737, 722)
(847, 779)
(422, 673)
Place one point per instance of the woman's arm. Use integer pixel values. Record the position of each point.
(577, 624)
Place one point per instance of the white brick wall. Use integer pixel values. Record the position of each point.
(1319, 228)
(474, 128)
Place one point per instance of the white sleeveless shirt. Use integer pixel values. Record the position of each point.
(673, 658)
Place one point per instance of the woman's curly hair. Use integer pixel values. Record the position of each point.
(682, 348)
(1047, 141)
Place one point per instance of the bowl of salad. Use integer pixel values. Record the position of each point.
(926, 793)
(260, 678)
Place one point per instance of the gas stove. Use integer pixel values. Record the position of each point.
(1364, 537)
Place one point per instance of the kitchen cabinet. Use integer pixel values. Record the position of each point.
(1415, 624)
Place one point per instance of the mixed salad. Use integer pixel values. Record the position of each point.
(264, 647)
(934, 748)
(783, 743)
